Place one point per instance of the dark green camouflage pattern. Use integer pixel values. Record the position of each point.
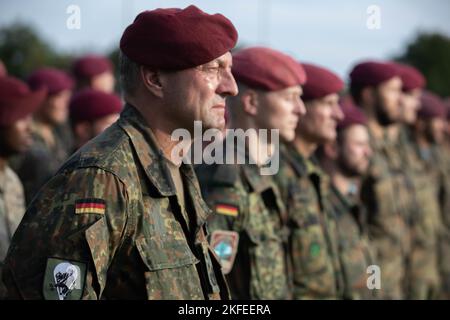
(386, 195)
(355, 251)
(141, 247)
(441, 158)
(313, 235)
(422, 281)
(260, 268)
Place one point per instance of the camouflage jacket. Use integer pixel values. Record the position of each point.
(313, 236)
(355, 251)
(426, 227)
(437, 164)
(12, 208)
(247, 206)
(386, 195)
(109, 225)
(442, 159)
(37, 165)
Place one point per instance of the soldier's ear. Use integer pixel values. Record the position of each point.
(152, 81)
(250, 101)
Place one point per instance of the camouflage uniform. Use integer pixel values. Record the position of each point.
(386, 196)
(36, 166)
(257, 215)
(313, 237)
(109, 225)
(422, 280)
(12, 208)
(441, 157)
(437, 166)
(355, 251)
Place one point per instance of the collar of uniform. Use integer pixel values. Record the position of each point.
(154, 163)
(147, 150)
(257, 182)
(347, 205)
(345, 202)
(294, 158)
(313, 167)
(201, 208)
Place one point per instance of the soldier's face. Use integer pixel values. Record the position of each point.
(388, 95)
(99, 125)
(280, 110)
(55, 108)
(435, 130)
(319, 123)
(354, 150)
(409, 105)
(103, 82)
(17, 137)
(198, 94)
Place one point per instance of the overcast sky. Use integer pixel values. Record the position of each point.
(330, 33)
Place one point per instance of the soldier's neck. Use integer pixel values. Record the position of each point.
(344, 183)
(259, 149)
(422, 141)
(162, 127)
(376, 129)
(304, 147)
(393, 131)
(167, 146)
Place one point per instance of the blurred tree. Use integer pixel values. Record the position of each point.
(22, 50)
(430, 53)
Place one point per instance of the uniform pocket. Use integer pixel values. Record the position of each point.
(268, 273)
(309, 249)
(172, 272)
(268, 279)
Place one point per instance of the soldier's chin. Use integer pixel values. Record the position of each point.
(363, 170)
(218, 123)
(287, 136)
(328, 137)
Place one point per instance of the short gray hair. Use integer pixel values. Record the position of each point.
(129, 74)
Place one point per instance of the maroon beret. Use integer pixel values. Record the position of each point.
(17, 100)
(267, 69)
(177, 39)
(411, 77)
(90, 105)
(321, 82)
(53, 80)
(91, 65)
(352, 114)
(431, 106)
(372, 73)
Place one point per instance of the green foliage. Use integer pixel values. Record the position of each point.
(22, 50)
(430, 53)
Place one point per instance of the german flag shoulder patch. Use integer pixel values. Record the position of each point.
(86, 206)
(227, 209)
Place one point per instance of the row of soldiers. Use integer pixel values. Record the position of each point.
(42, 121)
(358, 208)
(363, 182)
